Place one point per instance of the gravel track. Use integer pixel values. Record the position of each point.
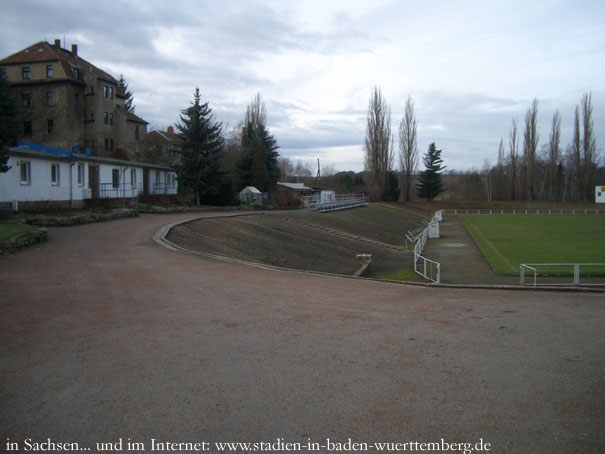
(106, 335)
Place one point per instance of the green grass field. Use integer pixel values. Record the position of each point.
(508, 241)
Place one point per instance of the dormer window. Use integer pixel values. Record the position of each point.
(76, 73)
(49, 71)
(25, 73)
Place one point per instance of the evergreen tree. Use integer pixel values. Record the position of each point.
(257, 135)
(201, 153)
(129, 100)
(260, 175)
(430, 185)
(8, 126)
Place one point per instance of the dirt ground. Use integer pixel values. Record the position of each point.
(106, 335)
(281, 241)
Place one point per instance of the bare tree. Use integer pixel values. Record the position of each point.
(256, 113)
(286, 168)
(378, 143)
(576, 150)
(530, 145)
(500, 181)
(408, 149)
(514, 159)
(554, 154)
(589, 146)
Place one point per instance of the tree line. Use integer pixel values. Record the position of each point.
(524, 171)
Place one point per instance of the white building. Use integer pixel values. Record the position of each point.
(52, 177)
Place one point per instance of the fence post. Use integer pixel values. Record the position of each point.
(522, 274)
(576, 274)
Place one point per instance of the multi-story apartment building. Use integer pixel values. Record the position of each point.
(64, 101)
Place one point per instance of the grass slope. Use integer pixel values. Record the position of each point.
(508, 241)
(384, 222)
(9, 230)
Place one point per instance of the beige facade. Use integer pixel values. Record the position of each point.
(63, 101)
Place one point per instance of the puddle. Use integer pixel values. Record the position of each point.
(454, 245)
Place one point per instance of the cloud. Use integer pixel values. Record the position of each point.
(470, 66)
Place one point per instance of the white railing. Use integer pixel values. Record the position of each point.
(429, 269)
(576, 267)
(342, 202)
(523, 212)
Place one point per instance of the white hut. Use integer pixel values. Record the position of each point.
(251, 196)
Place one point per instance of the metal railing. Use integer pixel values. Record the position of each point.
(117, 190)
(429, 269)
(523, 212)
(162, 188)
(342, 202)
(551, 271)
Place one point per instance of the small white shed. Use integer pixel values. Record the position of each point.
(251, 196)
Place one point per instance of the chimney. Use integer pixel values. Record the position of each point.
(170, 130)
(74, 50)
(58, 43)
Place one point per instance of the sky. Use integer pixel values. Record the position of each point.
(469, 66)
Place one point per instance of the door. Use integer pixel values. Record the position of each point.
(93, 181)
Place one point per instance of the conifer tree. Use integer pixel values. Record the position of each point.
(201, 153)
(430, 185)
(257, 134)
(129, 100)
(8, 128)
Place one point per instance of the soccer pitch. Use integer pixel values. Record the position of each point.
(507, 241)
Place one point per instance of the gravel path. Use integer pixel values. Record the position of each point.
(106, 335)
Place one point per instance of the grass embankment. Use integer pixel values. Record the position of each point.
(10, 230)
(508, 241)
(385, 222)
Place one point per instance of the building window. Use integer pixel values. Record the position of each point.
(111, 144)
(157, 176)
(115, 178)
(27, 99)
(49, 71)
(111, 92)
(80, 174)
(25, 172)
(105, 118)
(111, 118)
(49, 98)
(76, 73)
(50, 126)
(136, 132)
(54, 174)
(92, 116)
(133, 177)
(27, 128)
(170, 180)
(25, 73)
(106, 143)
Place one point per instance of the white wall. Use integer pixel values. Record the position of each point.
(40, 187)
(599, 195)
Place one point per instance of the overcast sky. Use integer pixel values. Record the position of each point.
(470, 66)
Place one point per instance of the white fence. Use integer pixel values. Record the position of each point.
(523, 212)
(429, 269)
(534, 268)
(342, 202)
